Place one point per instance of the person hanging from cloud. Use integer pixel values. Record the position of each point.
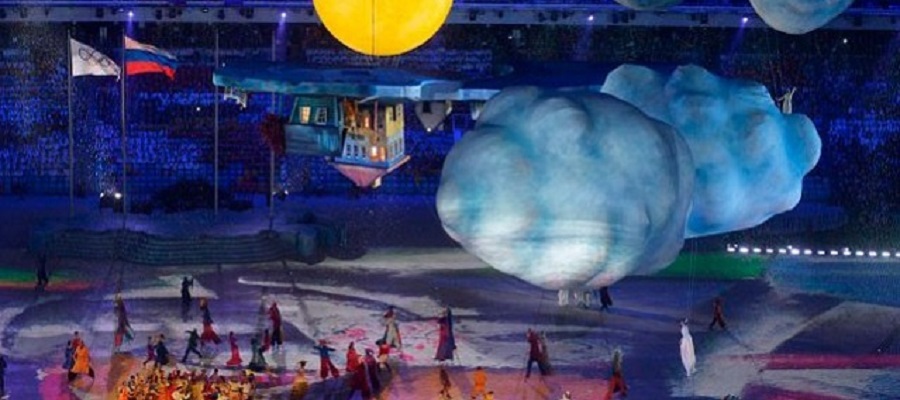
(787, 101)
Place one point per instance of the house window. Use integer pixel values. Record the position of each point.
(304, 114)
(321, 115)
(394, 114)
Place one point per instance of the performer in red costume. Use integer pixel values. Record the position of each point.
(277, 332)
(209, 334)
(235, 360)
(616, 382)
(352, 358)
(360, 378)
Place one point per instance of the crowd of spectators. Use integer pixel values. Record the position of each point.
(849, 91)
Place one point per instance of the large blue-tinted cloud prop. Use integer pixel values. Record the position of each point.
(799, 16)
(750, 158)
(648, 4)
(567, 189)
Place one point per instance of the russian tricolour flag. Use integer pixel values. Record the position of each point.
(146, 59)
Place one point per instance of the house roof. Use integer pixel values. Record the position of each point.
(300, 79)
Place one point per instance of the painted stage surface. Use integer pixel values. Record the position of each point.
(786, 339)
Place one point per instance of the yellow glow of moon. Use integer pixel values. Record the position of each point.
(383, 27)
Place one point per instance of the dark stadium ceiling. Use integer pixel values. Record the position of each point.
(863, 15)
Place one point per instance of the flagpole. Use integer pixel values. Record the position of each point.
(272, 154)
(216, 128)
(125, 197)
(71, 134)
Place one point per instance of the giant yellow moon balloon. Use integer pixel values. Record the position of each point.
(383, 27)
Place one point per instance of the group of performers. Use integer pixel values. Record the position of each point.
(182, 385)
(177, 385)
(363, 368)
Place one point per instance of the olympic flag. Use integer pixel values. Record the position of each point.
(88, 61)
(84, 60)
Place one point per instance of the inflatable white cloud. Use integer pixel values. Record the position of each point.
(567, 189)
(648, 4)
(799, 16)
(750, 158)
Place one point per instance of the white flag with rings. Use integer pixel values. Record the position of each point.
(88, 61)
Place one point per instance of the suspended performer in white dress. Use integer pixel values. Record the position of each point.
(787, 101)
(688, 358)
